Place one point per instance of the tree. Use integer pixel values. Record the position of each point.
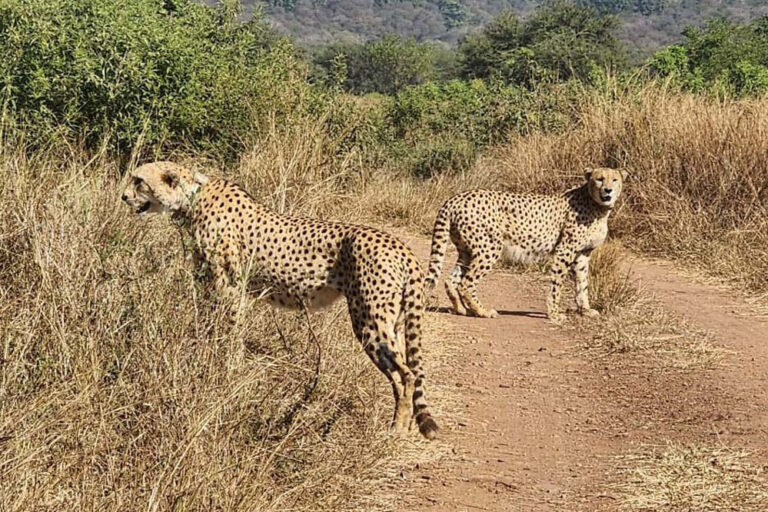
(454, 13)
(645, 7)
(385, 65)
(726, 57)
(560, 41)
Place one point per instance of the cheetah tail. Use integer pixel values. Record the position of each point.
(440, 234)
(413, 304)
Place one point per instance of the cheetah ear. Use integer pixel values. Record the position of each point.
(171, 179)
(587, 173)
(624, 174)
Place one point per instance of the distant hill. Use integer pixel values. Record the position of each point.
(647, 24)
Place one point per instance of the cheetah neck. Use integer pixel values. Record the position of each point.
(183, 214)
(192, 194)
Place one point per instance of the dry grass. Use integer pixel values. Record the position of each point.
(644, 329)
(681, 478)
(122, 389)
(610, 286)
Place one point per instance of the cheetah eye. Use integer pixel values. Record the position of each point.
(615, 180)
(137, 181)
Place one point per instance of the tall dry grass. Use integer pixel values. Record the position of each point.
(121, 387)
(699, 174)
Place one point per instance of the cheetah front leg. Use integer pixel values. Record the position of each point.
(581, 277)
(562, 261)
(225, 276)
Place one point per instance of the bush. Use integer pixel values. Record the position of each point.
(480, 111)
(161, 71)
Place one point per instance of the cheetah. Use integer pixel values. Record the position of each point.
(486, 226)
(299, 262)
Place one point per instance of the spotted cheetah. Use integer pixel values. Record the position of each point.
(300, 262)
(487, 225)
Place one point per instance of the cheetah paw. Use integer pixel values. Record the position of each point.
(461, 311)
(557, 319)
(486, 313)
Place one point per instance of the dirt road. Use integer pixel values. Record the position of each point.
(538, 423)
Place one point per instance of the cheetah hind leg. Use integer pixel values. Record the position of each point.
(380, 345)
(478, 267)
(450, 289)
(454, 280)
(395, 357)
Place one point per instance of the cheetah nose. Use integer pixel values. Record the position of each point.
(607, 190)
(125, 197)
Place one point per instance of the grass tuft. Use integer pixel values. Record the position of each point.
(610, 286)
(688, 478)
(632, 322)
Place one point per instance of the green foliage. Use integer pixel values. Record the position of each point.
(646, 7)
(558, 42)
(384, 66)
(454, 13)
(446, 63)
(440, 127)
(167, 72)
(724, 57)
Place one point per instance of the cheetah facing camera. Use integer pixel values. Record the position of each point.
(487, 225)
(303, 263)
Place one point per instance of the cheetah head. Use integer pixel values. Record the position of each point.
(161, 187)
(605, 184)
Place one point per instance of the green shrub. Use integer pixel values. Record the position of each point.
(440, 127)
(161, 71)
(480, 111)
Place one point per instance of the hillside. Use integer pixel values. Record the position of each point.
(647, 24)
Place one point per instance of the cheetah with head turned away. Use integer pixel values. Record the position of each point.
(303, 263)
(487, 225)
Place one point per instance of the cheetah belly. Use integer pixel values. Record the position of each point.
(322, 298)
(315, 296)
(526, 253)
(516, 254)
